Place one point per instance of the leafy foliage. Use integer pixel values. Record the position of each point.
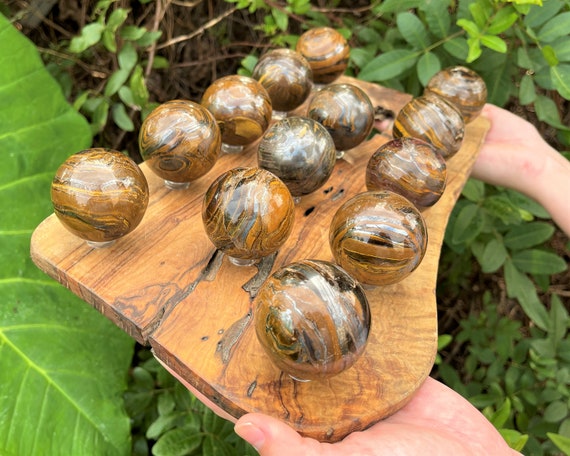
(55, 400)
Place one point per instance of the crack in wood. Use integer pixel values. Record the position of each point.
(231, 338)
(264, 268)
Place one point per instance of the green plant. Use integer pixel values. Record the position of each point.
(520, 382)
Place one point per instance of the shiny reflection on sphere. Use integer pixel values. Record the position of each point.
(180, 140)
(434, 120)
(410, 167)
(312, 319)
(300, 152)
(99, 194)
(345, 111)
(287, 77)
(241, 106)
(379, 237)
(463, 88)
(327, 51)
(248, 213)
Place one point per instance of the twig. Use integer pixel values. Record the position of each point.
(197, 32)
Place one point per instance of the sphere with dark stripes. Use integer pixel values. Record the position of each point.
(378, 237)
(180, 140)
(248, 213)
(99, 194)
(410, 167)
(434, 120)
(312, 319)
(462, 87)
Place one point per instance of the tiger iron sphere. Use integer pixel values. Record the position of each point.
(410, 167)
(300, 152)
(345, 111)
(248, 213)
(287, 77)
(312, 319)
(378, 237)
(434, 120)
(241, 106)
(462, 87)
(327, 52)
(99, 195)
(180, 141)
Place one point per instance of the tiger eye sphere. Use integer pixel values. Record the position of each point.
(462, 87)
(434, 120)
(287, 77)
(248, 213)
(327, 52)
(345, 111)
(379, 237)
(241, 106)
(99, 195)
(180, 141)
(312, 319)
(410, 167)
(300, 152)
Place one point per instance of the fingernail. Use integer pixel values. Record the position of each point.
(251, 434)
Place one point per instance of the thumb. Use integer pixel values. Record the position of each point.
(271, 437)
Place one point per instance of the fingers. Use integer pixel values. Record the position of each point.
(271, 437)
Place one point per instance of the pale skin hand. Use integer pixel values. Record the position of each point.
(437, 420)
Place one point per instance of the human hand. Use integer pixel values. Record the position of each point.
(514, 155)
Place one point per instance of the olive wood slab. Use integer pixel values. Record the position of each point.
(167, 287)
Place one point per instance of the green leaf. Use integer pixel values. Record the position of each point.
(177, 442)
(558, 319)
(561, 49)
(132, 32)
(393, 6)
(555, 412)
(116, 81)
(493, 256)
(474, 190)
(121, 117)
(468, 224)
(281, 19)
(62, 364)
(556, 27)
(514, 439)
(413, 30)
(138, 87)
(561, 442)
(494, 42)
(502, 21)
(538, 15)
(437, 17)
(549, 55)
(502, 414)
(428, 65)
(469, 26)
(535, 261)
(480, 13)
(547, 111)
(475, 50)
(527, 90)
(528, 235)
(90, 35)
(389, 65)
(561, 77)
(127, 57)
(501, 207)
(457, 47)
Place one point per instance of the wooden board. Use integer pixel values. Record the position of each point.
(166, 286)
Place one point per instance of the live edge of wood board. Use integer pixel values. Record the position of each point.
(167, 287)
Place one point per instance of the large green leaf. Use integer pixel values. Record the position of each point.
(62, 365)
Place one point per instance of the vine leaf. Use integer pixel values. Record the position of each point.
(62, 365)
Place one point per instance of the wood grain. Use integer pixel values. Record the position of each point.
(165, 285)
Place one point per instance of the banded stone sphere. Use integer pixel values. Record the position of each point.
(410, 167)
(434, 120)
(180, 141)
(242, 108)
(462, 87)
(300, 152)
(100, 195)
(312, 319)
(248, 213)
(378, 237)
(287, 77)
(327, 52)
(345, 111)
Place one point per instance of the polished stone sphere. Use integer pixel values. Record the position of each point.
(312, 319)
(99, 195)
(462, 87)
(327, 52)
(434, 120)
(287, 77)
(410, 167)
(248, 213)
(300, 152)
(241, 106)
(180, 141)
(379, 237)
(345, 111)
